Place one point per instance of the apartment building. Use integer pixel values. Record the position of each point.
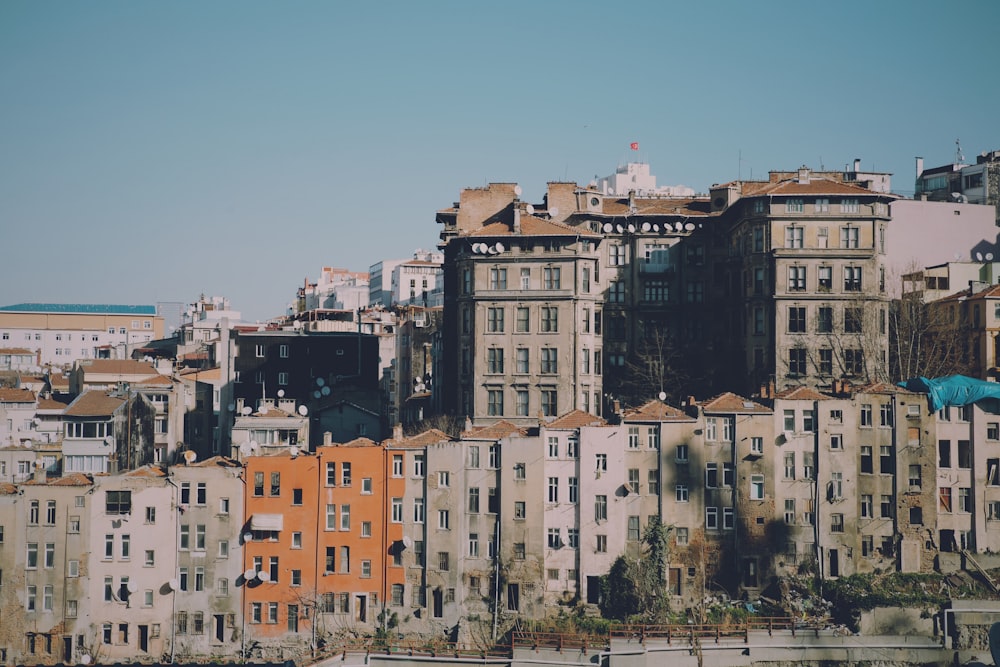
(17, 416)
(132, 558)
(205, 517)
(59, 334)
(44, 546)
(808, 254)
(107, 431)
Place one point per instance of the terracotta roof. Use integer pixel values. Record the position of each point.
(655, 411)
(429, 437)
(730, 402)
(357, 442)
(883, 388)
(495, 431)
(156, 381)
(94, 404)
(220, 461)
(51, 404)
(801, 394)
(147, 471)
(658, 206)
(15, 350)
(990, 292)
(71, 479)
(576, 419)
(7, 489)
(207, 374)
(118, 367)
(8, 395)
(814, 186)
(530, 226)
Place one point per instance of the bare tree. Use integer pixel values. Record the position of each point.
(655, 365)
(928, 340)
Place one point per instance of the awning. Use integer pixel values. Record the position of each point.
(266, 521)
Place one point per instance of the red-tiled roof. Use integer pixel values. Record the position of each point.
(531, 226)
(500, 429)
(15, 350)
(94, 404)
(655, 411)
(8, 395)
(7, 489)
(730, 402)
(801, 394)
(688, 206)
(50, 404)
(118, 367)
(576, 419)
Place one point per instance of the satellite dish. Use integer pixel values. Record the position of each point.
(231, 406)
(500, 247)
(608, 227)
(554, 211)
(250, 574)
(247, 411)
(320, 382)
(492, 250)
(979, 256)
(530, 209)
(646, 226)
(264, 575)
(476, 249)
(656, 228)
(132, 587)
(517, 190)
(281, 393)
(631, 228)
(253, 445)
(303, 410)
(989, 257)
(679, 226)
(190, 456)
(172, 585)
(325, 390)
(689, 226)
(317, 393)
(619, 229)
(293, 451)
(662, 395)
(245, 448)
(407, 542)
(611, 191)
(85, 659)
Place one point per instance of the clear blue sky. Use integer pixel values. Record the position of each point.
(153, 151)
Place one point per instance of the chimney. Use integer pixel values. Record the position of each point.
(397, 431)
(857, 165)
(517, 218)
(920, 166)
(803, 174)
(41, 475)
(468, 424)
(327, 438)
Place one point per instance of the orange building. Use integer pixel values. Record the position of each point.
(320, 543)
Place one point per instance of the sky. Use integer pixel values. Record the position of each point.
(157, 151)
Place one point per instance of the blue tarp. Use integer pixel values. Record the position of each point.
(953, 390)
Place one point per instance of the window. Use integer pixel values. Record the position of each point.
(275, 484)
(600, 508)
(550, 319)
(964, 499)
(681, 493)
(793, 236)
(964, 454)
(520, 510)
(790, 511)
(494, 320)
(118, 502)
(885, 507)
(796, 278)
(616, 254)
(549, 402)
(836, 523)
(494, 402)
(789, 465)
(474, 545)
(521, 322)
(793, 205)
(551, 277)
(520, 471)
(797, 361)
(633, 480)
(849, 206)
(852, 320)
(397, 465)
(397, 510)
(825, 361)
(852, 278)
(849, 236)
(711, 518)
(574, 489)
(944, 453)
(796, 319)
(473, 457)
(525, 279)
(808, 465)
(602, 544)
(444, 520)
(494, 360)
(498, 278)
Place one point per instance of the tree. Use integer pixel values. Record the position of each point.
(928, 340)
(656, 364)
(636, 586)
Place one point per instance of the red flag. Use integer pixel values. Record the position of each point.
(634, 145)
